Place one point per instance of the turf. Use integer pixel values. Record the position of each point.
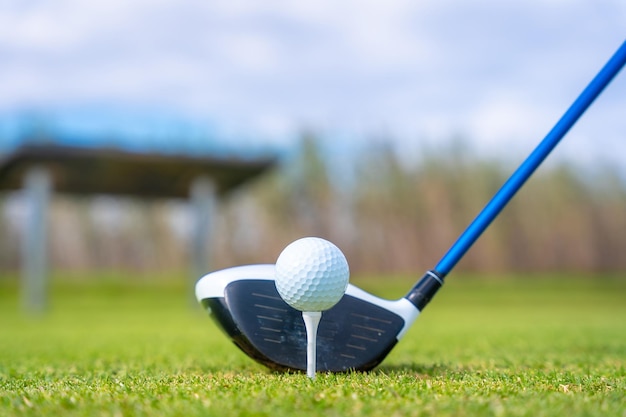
(525, 346)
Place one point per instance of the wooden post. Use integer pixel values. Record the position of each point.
(37, 187)
(203, 200)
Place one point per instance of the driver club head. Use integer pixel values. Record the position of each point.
(356, 334)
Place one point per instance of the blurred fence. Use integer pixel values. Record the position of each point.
(385, 215)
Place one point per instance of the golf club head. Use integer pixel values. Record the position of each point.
(356, 334)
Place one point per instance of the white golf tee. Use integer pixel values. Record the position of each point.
(311, 321)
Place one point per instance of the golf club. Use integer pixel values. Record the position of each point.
(359, 331)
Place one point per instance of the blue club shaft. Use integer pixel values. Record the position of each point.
(526, 169)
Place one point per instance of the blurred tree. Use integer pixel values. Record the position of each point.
(387, 215)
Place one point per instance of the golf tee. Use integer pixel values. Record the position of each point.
(311, 321)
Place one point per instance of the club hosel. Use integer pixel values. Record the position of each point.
(426, 288)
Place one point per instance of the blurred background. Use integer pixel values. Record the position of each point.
(394, 123)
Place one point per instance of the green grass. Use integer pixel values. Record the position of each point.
(511, 347)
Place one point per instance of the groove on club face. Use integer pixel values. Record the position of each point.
(353, 335)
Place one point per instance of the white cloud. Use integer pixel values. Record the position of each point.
(489, 69)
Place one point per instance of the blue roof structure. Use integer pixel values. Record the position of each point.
(147, 154)
(127, 130)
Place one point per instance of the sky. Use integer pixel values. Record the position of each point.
(497, 73)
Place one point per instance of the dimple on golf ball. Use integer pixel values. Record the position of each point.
(312, 274)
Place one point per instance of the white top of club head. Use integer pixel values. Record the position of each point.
(213, 284)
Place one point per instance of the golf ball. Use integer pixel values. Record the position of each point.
(311, 274)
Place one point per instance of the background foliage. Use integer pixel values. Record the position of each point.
(386, 215)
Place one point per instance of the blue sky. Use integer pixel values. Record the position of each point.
(499, 73)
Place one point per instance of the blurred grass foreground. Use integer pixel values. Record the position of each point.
(114, 344)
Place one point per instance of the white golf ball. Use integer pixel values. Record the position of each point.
(312, 274)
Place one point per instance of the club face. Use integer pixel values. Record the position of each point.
(356, 334)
